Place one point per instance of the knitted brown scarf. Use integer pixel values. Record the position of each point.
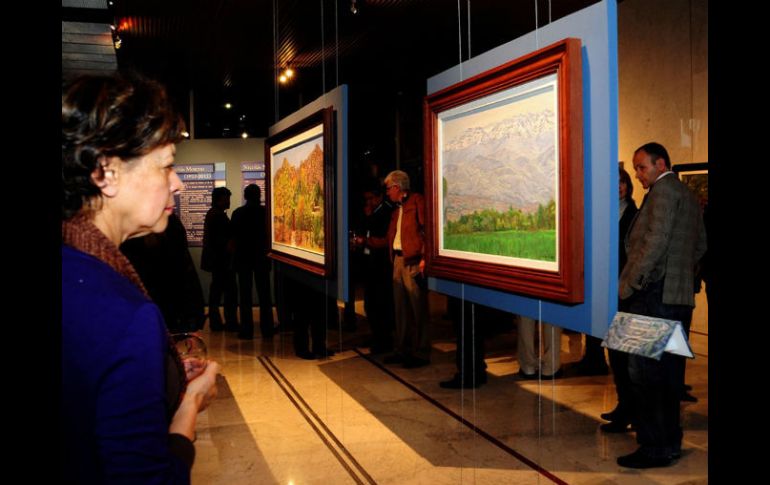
(80, 233)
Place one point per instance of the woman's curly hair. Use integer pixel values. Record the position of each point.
(124, 115)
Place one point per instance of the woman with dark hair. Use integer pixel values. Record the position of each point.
(128, 405)
(620, 417)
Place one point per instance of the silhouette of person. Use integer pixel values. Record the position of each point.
(620, 417)
(469, 358)
(216, 258)
(372, 244)
(167, 270)
(251, 262)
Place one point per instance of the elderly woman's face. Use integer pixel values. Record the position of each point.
(146, 192)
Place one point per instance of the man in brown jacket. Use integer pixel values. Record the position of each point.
(664, 243)
(406, 241)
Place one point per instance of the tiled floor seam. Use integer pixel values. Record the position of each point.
(542, 471)
(351, 465)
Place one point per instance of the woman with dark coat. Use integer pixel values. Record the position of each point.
(620, 417)
(128, 407)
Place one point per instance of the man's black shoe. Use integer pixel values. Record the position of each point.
(555, 375)
(525, 376)
(592, 370)
(616, 427)
(614, 415)
(687, 397)
(456, 382)
(676, 452)
(375, 350)
(324, 353)
(415, 362)
(643, 459)
(394, 359)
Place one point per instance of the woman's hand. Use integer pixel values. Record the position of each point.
(203, 387)
(193, 367)
(200, 392)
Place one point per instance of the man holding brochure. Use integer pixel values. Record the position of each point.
(665, 241)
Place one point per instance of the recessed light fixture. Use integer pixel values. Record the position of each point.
(228, 105)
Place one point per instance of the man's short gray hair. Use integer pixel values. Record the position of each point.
(398, 177)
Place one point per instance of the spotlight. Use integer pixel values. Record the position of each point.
(353, 7)
(244, 135)
(289, 72)
(228, 105)
(282, 79)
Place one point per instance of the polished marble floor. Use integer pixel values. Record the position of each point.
(352, 419)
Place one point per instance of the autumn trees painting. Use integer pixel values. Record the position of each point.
(300, 161)
(298, 200)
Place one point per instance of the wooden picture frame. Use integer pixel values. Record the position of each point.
(493, 190)
(299, 169)
(696, 177)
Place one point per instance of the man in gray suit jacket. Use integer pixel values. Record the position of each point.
(664, 243)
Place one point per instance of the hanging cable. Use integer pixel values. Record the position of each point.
(475, 374)
(323, 52)
(692, 94)
(537, 39)
(460, 39)
(461, 349)
(275, 60)
(469, 28)
(549, 11)
(336, 46)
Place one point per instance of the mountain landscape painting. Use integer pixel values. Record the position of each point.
(297, 191)
(498, 167)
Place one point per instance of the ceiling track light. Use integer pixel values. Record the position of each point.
(286, 74)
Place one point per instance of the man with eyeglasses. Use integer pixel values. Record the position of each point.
(406, 242)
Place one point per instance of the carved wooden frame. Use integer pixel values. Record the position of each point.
(566, 284)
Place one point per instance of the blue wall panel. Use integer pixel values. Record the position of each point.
(596, 26)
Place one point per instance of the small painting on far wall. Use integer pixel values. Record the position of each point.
(696, 177)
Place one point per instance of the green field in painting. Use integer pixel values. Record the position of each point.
(537, 245)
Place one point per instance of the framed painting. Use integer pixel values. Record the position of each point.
(504, 177)
(299, 191)
(695, 176)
